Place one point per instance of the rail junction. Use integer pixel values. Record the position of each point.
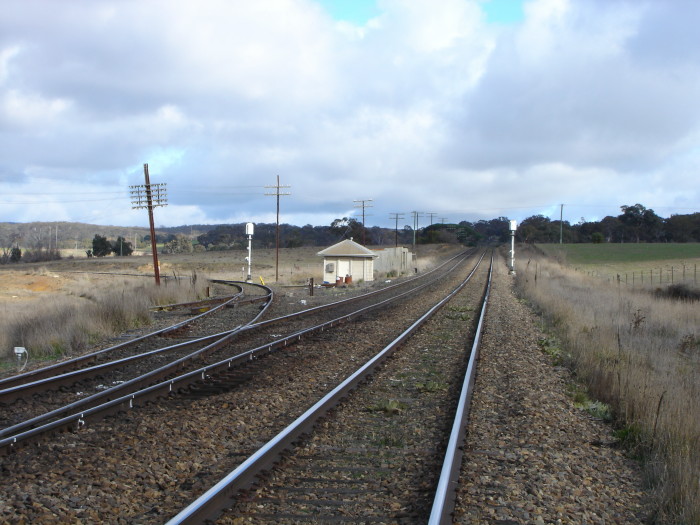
(345, 412)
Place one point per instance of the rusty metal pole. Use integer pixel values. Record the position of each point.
(149, 200)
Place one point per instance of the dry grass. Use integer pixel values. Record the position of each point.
(90, 310)
(640, 354)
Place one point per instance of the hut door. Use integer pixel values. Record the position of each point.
(343, 268)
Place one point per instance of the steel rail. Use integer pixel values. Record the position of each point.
(358, 298)
(97, 370)
(53, 382)
(75, 362)
(165, 388)
(210, 504)
(445, 494)
(198, 304)
(40, 379)
(137, 382)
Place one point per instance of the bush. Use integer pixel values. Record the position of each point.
(40, 255)
(122, 247)
(101, 246)
(597, 238)
(681, 292)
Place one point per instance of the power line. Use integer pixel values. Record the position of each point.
(60, 202)
(363, 204)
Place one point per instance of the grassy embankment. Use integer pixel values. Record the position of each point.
(637, 352)
(86, 313)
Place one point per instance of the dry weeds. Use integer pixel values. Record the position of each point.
(88, 311)
(640, 354)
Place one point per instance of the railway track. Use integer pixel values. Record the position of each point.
(132, 345)
(98, 390)
(47, 395)
(376, 458)
(165, 454)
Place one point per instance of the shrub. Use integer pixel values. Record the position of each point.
(597, 238)
(681, 292)
(101, 246)
(122, 247)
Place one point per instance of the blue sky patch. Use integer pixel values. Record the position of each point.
(357, 12)
(503, 11)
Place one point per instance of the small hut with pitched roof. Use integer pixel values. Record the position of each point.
(347, 261)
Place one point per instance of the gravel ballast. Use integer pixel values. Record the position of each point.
(531, 456)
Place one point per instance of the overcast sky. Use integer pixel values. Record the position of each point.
(464, 109)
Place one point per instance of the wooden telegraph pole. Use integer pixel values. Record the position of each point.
(277, 230)
(363, 204)
(396, 217)
(154, 195)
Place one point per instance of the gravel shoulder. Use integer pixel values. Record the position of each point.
(531, 456)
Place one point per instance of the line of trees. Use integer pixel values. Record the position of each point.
(232, 236)
(635, 224)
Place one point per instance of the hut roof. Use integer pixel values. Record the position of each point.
(347, 248)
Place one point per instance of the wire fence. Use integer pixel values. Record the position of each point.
(648, 278)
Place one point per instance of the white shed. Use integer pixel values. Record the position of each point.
(347, 259)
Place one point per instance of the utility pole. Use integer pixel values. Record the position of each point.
(396, 216)
(363, 205)
(154, 195)
(416, 215)
(442, 220)
(432, 214)
(277, 194)
(561, 223)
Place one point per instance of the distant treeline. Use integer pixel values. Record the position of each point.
(232, 236)
(42, 241)
(635, 224)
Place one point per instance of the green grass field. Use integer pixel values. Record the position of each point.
(594, 254)
(637, 264)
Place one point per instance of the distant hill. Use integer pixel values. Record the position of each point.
(72, 235)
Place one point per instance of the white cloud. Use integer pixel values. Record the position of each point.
(6, 56)
(29, 110)
(425, 107)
